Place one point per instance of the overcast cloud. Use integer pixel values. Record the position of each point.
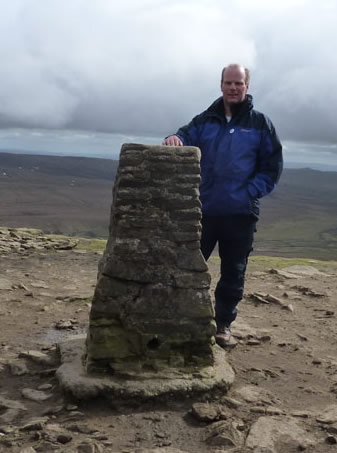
(147, 67)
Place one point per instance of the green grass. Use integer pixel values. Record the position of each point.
(93, 245)
(90, 245)
(264, 263)
(267, 262)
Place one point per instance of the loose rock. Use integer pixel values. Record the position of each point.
(36, 424)
(329, 416)
(224, 434)
(35, 395)
(266, 432)
(205, 412)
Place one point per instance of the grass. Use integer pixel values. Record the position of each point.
(267, 262)
(256, 262)
(264, 263)
(90, 245)
(93, 245)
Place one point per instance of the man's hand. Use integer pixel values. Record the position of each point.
(173, 140)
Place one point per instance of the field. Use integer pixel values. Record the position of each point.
(72, 195)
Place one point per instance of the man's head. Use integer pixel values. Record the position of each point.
(234, 84)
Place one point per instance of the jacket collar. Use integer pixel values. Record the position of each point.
(217, 108)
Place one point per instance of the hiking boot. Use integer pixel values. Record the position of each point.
(223, 336)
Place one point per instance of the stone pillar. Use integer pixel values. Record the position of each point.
(151, 312)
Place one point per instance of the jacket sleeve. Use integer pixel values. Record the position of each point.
(269, 163)
(190, 133)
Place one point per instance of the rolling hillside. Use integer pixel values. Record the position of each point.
(72, 195)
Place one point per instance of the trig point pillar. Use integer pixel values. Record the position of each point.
(151, 328)
(151, 313)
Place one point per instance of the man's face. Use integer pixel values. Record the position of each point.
(233, 85)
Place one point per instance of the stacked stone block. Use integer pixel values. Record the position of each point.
(151, 312)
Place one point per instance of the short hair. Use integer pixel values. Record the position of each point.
(247, 72)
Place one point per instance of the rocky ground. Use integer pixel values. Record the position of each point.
(284, 353)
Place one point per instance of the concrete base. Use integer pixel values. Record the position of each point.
(73, 378)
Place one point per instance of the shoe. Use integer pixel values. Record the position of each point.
(223, 336)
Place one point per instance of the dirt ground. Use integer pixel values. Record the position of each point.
(284, 357)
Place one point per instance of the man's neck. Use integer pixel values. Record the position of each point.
(228, 111)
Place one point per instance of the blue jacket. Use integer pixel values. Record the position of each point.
(241, 160)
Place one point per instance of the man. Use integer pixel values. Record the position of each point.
(241, 161)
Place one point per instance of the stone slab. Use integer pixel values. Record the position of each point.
(73, 378)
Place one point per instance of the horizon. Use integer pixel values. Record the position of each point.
(103, 145)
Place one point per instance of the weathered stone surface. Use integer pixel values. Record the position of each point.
(152, 310)
(148, 384)
(328, 416)
(205, 412)
(36, 424)
(253, 394)
(5, 284)
(10, 409)
(38, 357)
(268, 433)
(224, 434)
(23, 240)
(18, 368)
(35, 395)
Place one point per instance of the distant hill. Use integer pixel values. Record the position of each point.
(300, 217)
(79, 167)
(72, 195)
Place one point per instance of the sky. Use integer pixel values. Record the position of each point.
(146, 67)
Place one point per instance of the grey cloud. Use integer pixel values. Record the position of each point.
(148, 67)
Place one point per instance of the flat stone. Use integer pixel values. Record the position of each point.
(224, 434)
(253, 342)
(38, 357)
(231, 402)
(45, 387)
(10, 409)
(252, 394)
(35, 395)
(74, 379)
(267, 432)
(52, 410)
(301, 414)
(36, 424)
(272, 410)
(282, 273)
(304, 270)
(257, 410)
(5, 284)
(328, 416)
(39, 284)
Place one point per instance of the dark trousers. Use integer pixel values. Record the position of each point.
(234, 235)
